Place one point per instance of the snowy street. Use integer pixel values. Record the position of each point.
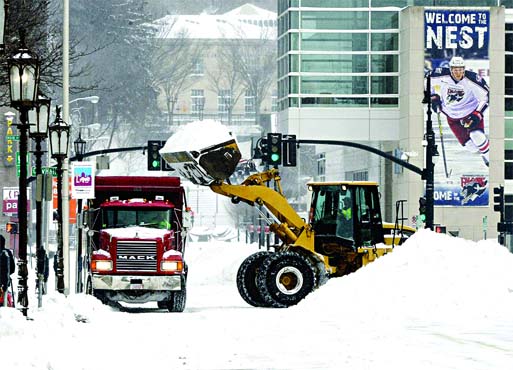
(437, 302)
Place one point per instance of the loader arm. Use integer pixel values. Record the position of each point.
(253, 191)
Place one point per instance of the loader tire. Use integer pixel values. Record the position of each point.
(285, 279)
(246, 279)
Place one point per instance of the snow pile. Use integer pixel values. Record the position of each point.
(431, 276)
(197, 135)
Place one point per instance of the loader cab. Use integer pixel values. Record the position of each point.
(346, 214)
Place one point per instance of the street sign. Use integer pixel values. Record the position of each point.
(12, 137)
(45, 170)
(18, 163)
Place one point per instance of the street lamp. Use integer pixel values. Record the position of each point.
(39, 117)
(79, 146)
(23, 83)
(59, 139)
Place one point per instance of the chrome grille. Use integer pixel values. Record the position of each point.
(136, 255)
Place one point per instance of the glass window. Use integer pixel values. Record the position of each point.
(334, 63)
(294, 20)
(397, 3)
(334, 101)
(224, 101)
(507, 3)
(294, 41)
(509, 85)
(335, 20)
(508, 128)
(384, 63)
(384, 20)
(294, 63)
(509, 63)
(508, 107)
(198, 67)
(384, 102)
(293, 85)
(335, 3)
(334, 85)
(509, 42)
(293, 102)
(197, 101)
(274, 101)
(249, 103)
(334, 41)
(385, 41)
(384, 85)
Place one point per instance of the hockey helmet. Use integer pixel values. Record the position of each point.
(457, 62)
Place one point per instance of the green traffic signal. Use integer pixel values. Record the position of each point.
(155, 164)
(423, 218)
(275, 157)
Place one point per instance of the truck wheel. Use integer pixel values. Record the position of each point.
(285, 279)
(246, 279)
(177, 301)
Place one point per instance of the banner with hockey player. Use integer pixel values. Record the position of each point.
(456, 58)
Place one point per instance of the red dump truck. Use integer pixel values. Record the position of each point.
(136, 234)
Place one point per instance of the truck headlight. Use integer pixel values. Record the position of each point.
(101, 265)
(171, 265)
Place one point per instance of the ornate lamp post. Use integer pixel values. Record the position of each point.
(59, 140)
(39, 117)
(23, 83)
(79, 146)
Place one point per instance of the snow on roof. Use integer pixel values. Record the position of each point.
(247, 22)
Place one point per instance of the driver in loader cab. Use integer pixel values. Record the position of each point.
(344, 222)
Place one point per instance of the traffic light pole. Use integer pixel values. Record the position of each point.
(429, 174)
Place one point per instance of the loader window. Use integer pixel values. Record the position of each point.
(368, 215)
(333, 212)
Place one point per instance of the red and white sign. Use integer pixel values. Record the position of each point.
(10, 201)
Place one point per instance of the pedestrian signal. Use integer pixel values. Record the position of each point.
(11, 228)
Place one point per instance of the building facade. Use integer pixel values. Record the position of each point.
(205, 74)
(354, 70)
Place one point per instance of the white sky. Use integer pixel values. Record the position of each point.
(437, 302)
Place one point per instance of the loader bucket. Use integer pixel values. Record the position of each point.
(210, 164)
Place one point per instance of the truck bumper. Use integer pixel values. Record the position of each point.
(133, 282)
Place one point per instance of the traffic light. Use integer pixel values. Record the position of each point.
(260, 151)
(422, 208)
(11, 228)
(154, 159)
(274, 149)
(498, 200)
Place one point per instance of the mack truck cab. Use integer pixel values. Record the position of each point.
(136, 241)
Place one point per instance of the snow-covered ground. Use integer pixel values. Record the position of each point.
(436, 302)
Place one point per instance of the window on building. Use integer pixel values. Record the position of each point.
(197, 101)
(321, 167)
(357, 175)
(198, 68)
(274, 101)
(224, 100)
(249, 103)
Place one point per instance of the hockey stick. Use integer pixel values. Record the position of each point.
(447, 173)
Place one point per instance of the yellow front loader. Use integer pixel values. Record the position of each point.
(344, 230)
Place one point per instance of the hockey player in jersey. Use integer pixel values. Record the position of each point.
(463, 97)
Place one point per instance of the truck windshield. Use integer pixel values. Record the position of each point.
(122, 217)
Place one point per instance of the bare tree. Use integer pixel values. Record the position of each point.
(174, 60)
(256, 63)
(226, 76)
